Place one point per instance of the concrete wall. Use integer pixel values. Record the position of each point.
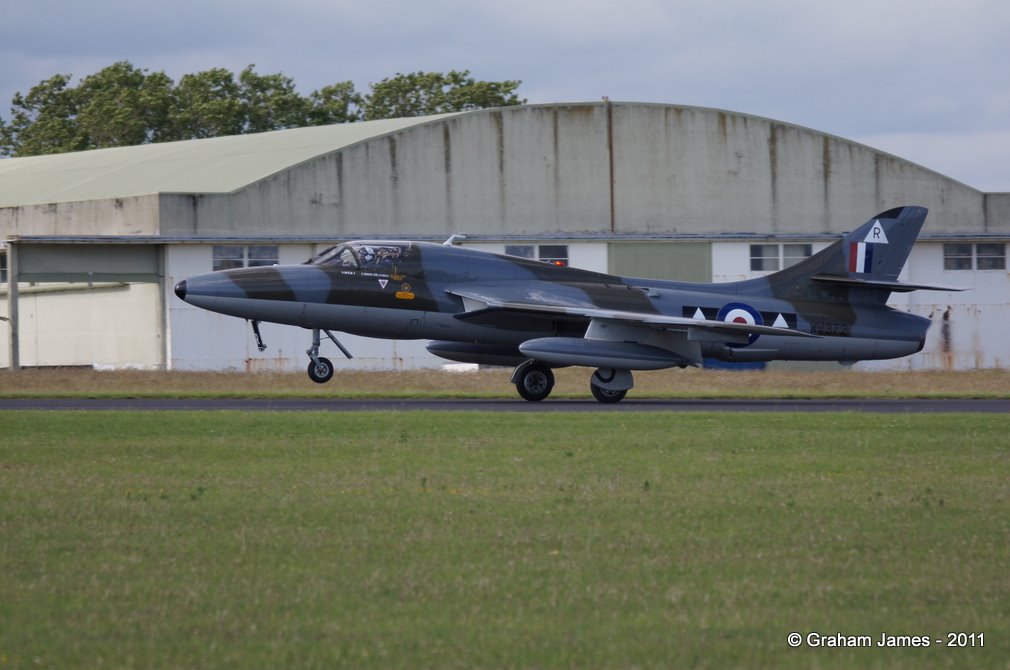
(117, 216)
(596, 168)
(623, 168)
(682, 169)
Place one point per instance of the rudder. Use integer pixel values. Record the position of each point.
(871, 256)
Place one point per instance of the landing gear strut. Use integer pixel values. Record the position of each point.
(533, 380)
(259, 338)
(321, 369)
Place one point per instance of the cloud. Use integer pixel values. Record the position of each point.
(976, 159)
(904, 68)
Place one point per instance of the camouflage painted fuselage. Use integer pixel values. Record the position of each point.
(482, 307)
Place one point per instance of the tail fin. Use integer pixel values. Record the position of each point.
(870, 257)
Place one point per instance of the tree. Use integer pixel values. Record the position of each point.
(121, 105)
(42, 122)
(124, 105)
(336, 103)
(270, 102)
(207, 104)
(423, 93)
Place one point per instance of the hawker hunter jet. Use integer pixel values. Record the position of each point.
(480, 307)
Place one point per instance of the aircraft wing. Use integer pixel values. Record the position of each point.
(481, 301)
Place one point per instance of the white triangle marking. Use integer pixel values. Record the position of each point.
(876, 234)
(780, 322)
(698, 314)
(383, 282)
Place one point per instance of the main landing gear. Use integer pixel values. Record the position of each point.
(320, 368)
(534, 380)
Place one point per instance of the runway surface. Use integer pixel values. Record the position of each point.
(988, 406)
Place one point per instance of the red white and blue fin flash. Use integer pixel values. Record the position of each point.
(861, 257)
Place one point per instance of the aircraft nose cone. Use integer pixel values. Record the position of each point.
(180, 289)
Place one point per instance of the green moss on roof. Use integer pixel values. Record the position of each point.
(214, 165)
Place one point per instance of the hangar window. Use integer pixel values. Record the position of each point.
(794, 253)
(775, 257)
(3, 268)
(229, 256)
(258, 255)
(990, 256)
(521, 250)
(764, 257)
(966, 256)
(555, 254)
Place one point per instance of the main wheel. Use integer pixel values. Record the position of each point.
(606, 396)
(322, 372)
(536, 383)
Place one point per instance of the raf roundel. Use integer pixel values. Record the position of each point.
(738, 312)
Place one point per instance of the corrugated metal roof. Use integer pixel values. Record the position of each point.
(214, 165)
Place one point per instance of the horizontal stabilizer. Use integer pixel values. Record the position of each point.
(895, 286)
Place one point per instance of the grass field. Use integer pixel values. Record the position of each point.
(229, 540)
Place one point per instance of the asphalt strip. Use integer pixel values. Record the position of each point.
(875, 405)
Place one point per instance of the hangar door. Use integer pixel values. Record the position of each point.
(88, 304)
(681, 261)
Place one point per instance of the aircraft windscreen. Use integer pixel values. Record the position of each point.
(361, 256)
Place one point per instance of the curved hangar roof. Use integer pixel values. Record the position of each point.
(604, 168)
(213, 165)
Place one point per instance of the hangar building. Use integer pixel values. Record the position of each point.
(93, 242)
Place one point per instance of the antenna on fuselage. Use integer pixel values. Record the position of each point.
(455, 238)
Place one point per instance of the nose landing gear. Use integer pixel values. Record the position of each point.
(320, 368)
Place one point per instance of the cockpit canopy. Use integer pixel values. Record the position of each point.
(363, 255)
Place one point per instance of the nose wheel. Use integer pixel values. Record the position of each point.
(320, 370)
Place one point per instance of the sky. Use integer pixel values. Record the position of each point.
(927, 80)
